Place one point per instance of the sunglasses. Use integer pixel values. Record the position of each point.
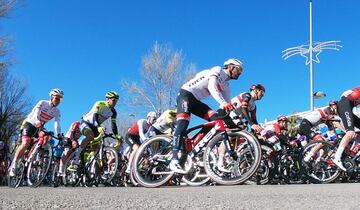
(58, 98)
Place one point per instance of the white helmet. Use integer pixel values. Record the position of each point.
(233, 61)
(56, 92)
(152, 115)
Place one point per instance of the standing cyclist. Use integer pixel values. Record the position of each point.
(214, 82)
(101, 111)
(349, 99)
(42, 112)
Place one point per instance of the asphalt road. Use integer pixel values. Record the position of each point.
(325, 196)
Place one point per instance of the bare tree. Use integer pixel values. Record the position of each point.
(162, 74)
(13, 105)
(13, 102)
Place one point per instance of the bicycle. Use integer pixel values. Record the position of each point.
(36, 161)
(243, 154)
(320, 168)
(94, 168)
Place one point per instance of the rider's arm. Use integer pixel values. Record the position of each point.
(57, 123)
(141, 129)
(215, 90)
(253, 116)
(113, 122)
(245, 108)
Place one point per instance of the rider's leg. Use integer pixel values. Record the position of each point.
(348, 119)
(134, 148)
(25, 142)
(89, 136)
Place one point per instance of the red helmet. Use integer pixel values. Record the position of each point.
(75, 126)
(282, 118)
(257, 86)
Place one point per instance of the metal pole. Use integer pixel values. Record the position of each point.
(311, 63)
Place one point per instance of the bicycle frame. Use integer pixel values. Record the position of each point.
(217, 126)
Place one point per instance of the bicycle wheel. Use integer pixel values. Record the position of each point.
(17, 180)
(320, 168)
(72, 174)
(197, 175)
(55, 179)
(291, 168)
(39, 165)
(150, 164)
(248, 152)
(109, 164)
(266, 170)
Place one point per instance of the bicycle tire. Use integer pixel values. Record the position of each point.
(45, 154)
(143, 166)
(312, 172)
(236, 176)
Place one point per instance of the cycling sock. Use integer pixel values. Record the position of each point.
(339, 152)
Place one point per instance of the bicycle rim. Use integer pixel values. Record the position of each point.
(150, 164)
(249, 157)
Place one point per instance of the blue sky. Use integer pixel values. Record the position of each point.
(87, 47)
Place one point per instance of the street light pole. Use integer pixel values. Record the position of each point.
(311, 62)
(307, 50)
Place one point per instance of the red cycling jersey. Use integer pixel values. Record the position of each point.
(353, 95)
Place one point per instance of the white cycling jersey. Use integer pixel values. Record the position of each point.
(316, 116)
(213, 82)
(165, 122)
(43, 112)
(243, 99)
(98, 113)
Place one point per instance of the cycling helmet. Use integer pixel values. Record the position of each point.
(333, 102)
(172, 112)
(75, 126)
(233, 61)
(257, 86)
(56, 92)
(282, 118)
(112, 94)
(151, 115)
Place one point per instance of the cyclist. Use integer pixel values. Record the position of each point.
(136, 135)
(214, 82)
(42, 112)
(316, 117)
(245, 109)
(164, 124)
(90, 125)
(278, 128)
(70, 142)
(349, 99)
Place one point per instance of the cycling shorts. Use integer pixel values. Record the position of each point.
(86, 125)
(305, 129)
(132, 139)
(29, 130)
(350, 121)
(187, 103)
